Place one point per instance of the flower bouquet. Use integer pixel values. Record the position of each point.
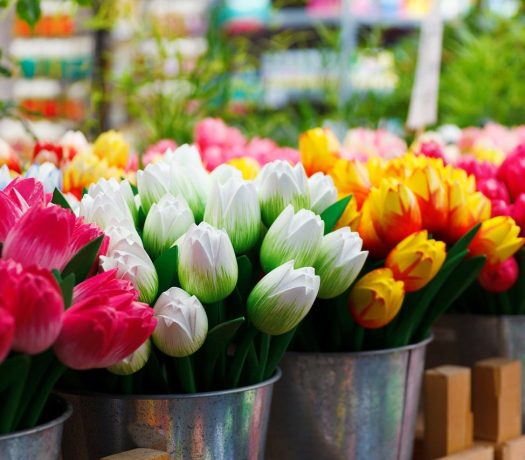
(55, 312)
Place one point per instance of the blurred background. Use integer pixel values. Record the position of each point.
(153, 68)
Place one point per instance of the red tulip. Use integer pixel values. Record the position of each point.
(7, 332)
(100, 329)
(500, 277)
(512, 171)
(518, 213)
(494, 189)
(48, 151)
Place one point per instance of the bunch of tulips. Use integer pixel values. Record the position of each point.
(56, 312)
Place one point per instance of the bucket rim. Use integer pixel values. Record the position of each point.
(67, 411)
(169, 396)
(366, 353)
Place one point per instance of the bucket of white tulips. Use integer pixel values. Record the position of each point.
(228, 267)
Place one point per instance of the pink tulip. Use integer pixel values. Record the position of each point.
(512, 171)
(481, 170)
(499, 278)
(493, 189)
(31, 190)
(501, 208)
(210, 132)
(213, 156)
(10, 213)
(158, 150)
(83, 234)
(105, 324)
(7, 332)
(469, 137)
(518, 213)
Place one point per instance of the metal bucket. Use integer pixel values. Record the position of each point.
(465, 339)
(351, 406)
(42, 442)
(227, 425)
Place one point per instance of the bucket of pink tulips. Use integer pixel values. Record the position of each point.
(230, 268)
(354, 373)
(56, 313)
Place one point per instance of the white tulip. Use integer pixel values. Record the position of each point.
(116, 191)
(323, 192)
(280, 184)
(339, 262)
(224, 172)
(134, 362)
(282, 298)
(233, 206)
(165, 223)
(5, 177)
(74, 142)
(48, 174)
(153, 183)
(182, 324)
(207, 263)
(193, 184)
(184, 155)
(294, 236)
(105, 211)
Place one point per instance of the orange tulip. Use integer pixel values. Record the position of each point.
(497, 239)
(376, 299)
(416, 260)
(368, 234)
(319, 150)
(351, 178)
(395, 211)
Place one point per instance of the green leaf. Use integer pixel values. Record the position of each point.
(59, 199)
(83, 260)
(278, 347)
(333, 213)
(244, 282)
(221, 336)
(66, 286)
(167, 265)
(29, 11)
(464, 242)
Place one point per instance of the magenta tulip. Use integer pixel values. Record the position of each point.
(29, 190)
(494, 189)
(10, 214)
(518, 213)
(501, 208)
(7, 332)
(500, 277)
(482, 170)
(512, 171)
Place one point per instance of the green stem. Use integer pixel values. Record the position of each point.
(127, 384)
(263, 356)
(186, 374)
(278, 347)
(240, 355)
(357, 339)
(11, 402)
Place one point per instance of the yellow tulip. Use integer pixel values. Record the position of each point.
(497, 239)
(351, 216)
(376, 299)
(319, 150)
(371, 241)
(112, 147)
(351, 178)
(376, 167)
(416, 260)
(249, 167)
(484, 153)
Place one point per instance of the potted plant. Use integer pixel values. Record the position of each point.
(353, 377)
(227, 267)
(55, 313)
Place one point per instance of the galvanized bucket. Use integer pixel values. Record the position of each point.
(221, 425)
(42, 442)
(465, 339)
(351, 406)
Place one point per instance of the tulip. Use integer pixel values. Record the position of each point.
(10, 212)
(5, 177)
(322, 192)
(512, 171)
(118, 192)
(48, 174)
(155, 152)
(278, 185)
(427, 185)
(371, 241)
(500, 277)
(416, 260)
(7, 332)
(185, 155)
(294, 236)
(501, 208)
(233, 206)
(134, 362)
(249, 167)
(8, 157)
(494, 189)
(153, 183)
(394, 211)
(282, 298)
(105, 324)
(351, 217)
(518, 213)
(72, 143)
(497, 239)
(376, 298)
(210, 132)
(207, 263)
(182, 324)
(482, 170)
(112, 147)
(130, 259)
(193, 184)
(339, 262)
(351, 178)
(106, 210)
(165, 223)
(26, 193)
(224, 172)
(319, 150)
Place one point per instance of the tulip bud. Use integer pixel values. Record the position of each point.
(416, 260)
(112, 147)
(500, 277)
(153, 183)
(322, 192)
(165, 223)
(248, 166)
(512, 170)
(376, 299)
(294, 236)
(351, 177)
(222, 173)
(116, 191)
(7, 333)
(233, 206)
(278, 185)
(493, 189)
(104, 211)
(497, 239)
(281, 299)
(134, 362)
(182, 324)
(339, 262)
(518, 213)
(193, 184)
(319, 150)
(185, 155)
(126, 254)
(207, 263)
